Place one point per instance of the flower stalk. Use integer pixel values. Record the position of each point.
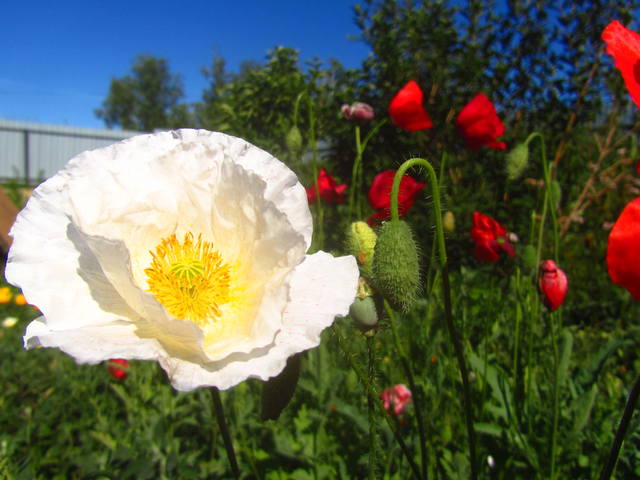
(446, 291)
(632, 401)
(373, 395)
(224, 430)
(357, 170)
(417, 394)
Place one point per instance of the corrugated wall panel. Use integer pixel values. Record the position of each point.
(47, 147)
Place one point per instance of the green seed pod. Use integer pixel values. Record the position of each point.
(361, 242)
(363, 311)
(293, 140)
(396, 266)
(517, 160)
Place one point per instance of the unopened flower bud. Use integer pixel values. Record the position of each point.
(448, 222)
(517, 160)
(552, 284)
(363, 311)
(293, 140)
(396, 266)
(361, 242)
(357, 112)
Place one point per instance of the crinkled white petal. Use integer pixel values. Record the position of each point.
(93, 344)
(322, 287)
(83, 242)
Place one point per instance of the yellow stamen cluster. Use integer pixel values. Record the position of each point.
(189, 278)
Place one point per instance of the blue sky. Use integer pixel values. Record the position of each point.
(57, 57)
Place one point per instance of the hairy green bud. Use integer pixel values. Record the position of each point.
(396, 266)
(361, 242)
(293, 140)
(517, 161)
(364, 313)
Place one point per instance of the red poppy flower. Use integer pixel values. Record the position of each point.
(491, 239)
(396, 399)
(480, 125)
(329, 191)
(118, 368)
(552, 284)
(380, 195)
(406, 109)
(624, 46)
(623, 252)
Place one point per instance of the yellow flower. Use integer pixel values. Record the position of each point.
(20, 300)
(185, 247)
(5, 295)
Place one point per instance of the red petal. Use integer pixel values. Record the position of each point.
(490, 238)
(624, 46)
(479, 124)
(380, 191)
(623, 252)
(406, 108)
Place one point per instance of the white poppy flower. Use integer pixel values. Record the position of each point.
(185, 247)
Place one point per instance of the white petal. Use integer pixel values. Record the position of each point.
(45, 262)
(93, 344)
(321, 288)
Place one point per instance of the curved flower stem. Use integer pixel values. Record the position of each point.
(446, 291)
(224, 430)
(607, 470)
(417, 394)
(357, 171)
(375, 398)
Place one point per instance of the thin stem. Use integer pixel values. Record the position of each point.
(554, 426)
(373, 420)
(354, 172)
(417, 394)
(622, 431)
(375, 397)
(357, 171)
(446, 291)
(224, 430)
(314, 165)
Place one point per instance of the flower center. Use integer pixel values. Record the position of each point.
(189, 278)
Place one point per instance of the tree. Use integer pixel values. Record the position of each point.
(147, 99)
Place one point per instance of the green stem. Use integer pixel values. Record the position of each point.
(373, 420)
(375, 398)
(314, 165)
(446, 290)
(556, 412)
(632, 401)
(357, 171)
(224, 430)
(417, 394)
(353, 187)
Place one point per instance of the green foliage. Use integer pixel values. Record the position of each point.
(147, 99)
